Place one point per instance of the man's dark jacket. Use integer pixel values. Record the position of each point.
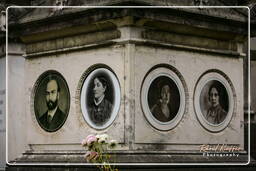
(57, 120)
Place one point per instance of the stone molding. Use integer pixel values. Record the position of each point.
(69, 42)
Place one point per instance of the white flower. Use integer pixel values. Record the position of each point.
(113, 143)
(98, 136)
(103, 138)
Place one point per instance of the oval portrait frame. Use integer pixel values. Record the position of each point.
(66, 105)
(86, 80)
(206, 78)
(173, 75)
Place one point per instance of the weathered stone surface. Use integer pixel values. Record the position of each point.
(190, 40)
(136, 168)
(130, 157)
(16, 117)
(236, 14)
(199, 63)
(71, 65)
(2, 111)
(89, 16)
(202, 31)
(74, 41)
(67, 31)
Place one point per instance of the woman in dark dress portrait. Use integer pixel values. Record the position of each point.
(162, 110)
(215, 114)
(100, 108)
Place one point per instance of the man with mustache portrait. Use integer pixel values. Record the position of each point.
(53, 117)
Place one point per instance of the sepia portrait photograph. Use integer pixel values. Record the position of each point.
(51, 101)
(214, 102)
(100, 98)
(163, 98)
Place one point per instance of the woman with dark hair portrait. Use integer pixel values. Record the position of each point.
(215, 114)
(162, 110)
(101, 108)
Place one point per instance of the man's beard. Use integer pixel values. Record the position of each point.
(52, 105)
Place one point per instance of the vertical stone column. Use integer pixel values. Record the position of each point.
(15, 102)
(2, 106)
(130, 94)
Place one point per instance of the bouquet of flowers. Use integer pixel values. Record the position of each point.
(97, 145)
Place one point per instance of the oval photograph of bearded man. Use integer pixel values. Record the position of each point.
(51, 101)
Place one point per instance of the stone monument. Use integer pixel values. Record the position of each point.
(166, 83)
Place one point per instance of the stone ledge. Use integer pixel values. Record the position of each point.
(237, 14)
(143, 42)
(190, 40)
(67, 31)
(71, 49)
(89, 16)
(68, 42)
(250, 167)
(132, 168)
(130, 157)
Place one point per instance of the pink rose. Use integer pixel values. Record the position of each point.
(91, 155)
(90, 140)
(94, 155)
(87, 155)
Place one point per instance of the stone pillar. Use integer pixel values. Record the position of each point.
(2, 106)
(16, 117)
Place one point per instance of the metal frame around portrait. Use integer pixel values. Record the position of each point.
(214, 75)
(176, 77)
(86, 78)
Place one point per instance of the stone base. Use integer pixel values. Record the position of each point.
(77, 158)
(250, 167)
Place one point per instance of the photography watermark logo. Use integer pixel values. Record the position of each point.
(220, 150)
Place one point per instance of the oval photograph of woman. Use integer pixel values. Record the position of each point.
(163, 99)
(214, 102)
(100, 98)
